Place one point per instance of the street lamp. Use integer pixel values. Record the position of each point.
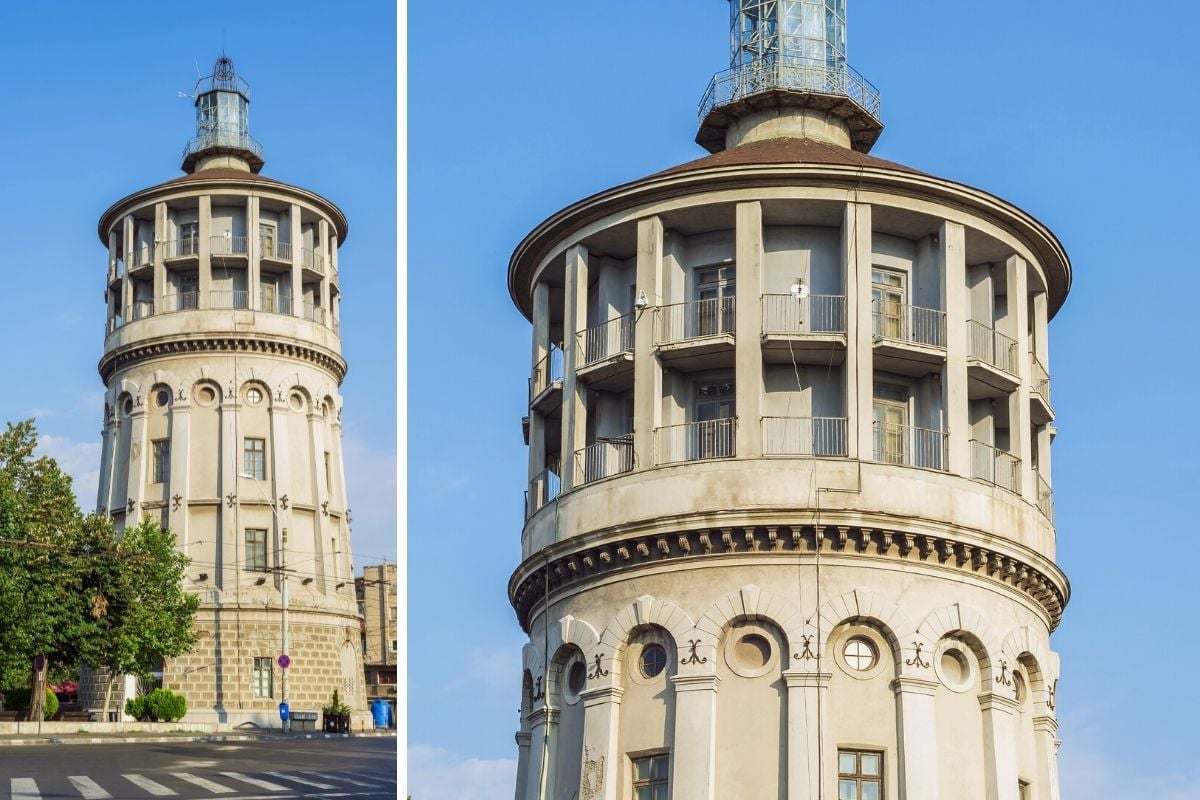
(285, 724)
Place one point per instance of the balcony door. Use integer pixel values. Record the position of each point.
(888, 296)
(713, 414)
(189, 291)
(266, 239)
(715, 290)
(890, 411)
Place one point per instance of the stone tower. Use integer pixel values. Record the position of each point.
(789, 530)
(222, 362)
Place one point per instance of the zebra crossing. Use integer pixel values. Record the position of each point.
(227, 785)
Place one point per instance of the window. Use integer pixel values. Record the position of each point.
(256, 549)
(162, 460)
(653, 660)
(860, 775)
(713, 416)
(650, 777)
(890, 409)
(860, 654)
(715, 291)
(328, 480)
(263, 679)
(266, 238)
(254, 462)
(189, 239)
(887, 301)
(254, 395)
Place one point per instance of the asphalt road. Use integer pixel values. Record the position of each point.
(284, 769)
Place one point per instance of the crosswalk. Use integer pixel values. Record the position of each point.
(228, 785)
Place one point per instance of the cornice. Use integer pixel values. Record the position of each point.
(573, 564)
(136, 352)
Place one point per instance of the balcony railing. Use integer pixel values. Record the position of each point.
(118, 268)
(989, 345)
(220, 298)
(1040, 380)
(908, 446)
(547, 372)
(996, 466)
(1045, 498)
(140, 256)
(795, 74)
(182, 301)
(604, 459)
(274, 249)
(275, 303)
(139, 310)
(222, 138)
(904, 323)
(312, 260)
(314, 313)
(816, 313)
(697, 441)
(181, 248)
(542, 489)
(228, 245)
(696, 319)
(804, 436)
(605, 340)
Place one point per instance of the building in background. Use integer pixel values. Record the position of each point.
(376, 594)
(789, 523)
(222, 362)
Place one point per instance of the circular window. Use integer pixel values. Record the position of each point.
(653, 660)
(254, 395)
(296, 401)
(127, 407)
(860, 654)
(752, 651)
(1019, 687)
(162, 397)
(576, 679)
(953, 667)
(205, 395)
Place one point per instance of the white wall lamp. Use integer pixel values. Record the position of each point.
(641, 301)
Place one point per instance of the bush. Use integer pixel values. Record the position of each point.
(161, 705)
(18, 700)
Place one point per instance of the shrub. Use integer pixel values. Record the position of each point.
(18, 700)
(161, 705)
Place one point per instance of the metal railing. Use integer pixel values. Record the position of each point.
(181, 248)
(696, 441)
(277, 303)
(139, 310)
(547, 372)
(816, 313)
(908, 446)
(606, 339)
(804, 436)
(118, 270)
(310, 259)
(1045, 498)
(990, 345)
(795, 74)
(604, 459)
(314, 313)
(905, 323)
(222, 138)
(228, 245)
(1040, 380)
(998, 467)
(224, 298)
(182, 301)
(542, 489)
(279, 251)
(140, 256)
(696, 319)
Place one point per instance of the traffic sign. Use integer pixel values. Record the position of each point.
(284, 661)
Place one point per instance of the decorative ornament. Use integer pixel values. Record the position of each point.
(176, 500)
(538, 692)
(1053, 691)
(599, 672)
(694, 657)
(916, 660)
(130, 506)
(325, 508)
(180, 395)
(1003, 678)
(283, 502)
(807, 653)
(229, 498)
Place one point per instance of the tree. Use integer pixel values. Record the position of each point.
(142, 613)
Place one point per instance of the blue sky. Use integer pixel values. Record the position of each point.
(1079, 112)
(93, 113)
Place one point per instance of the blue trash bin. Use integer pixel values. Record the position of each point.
(379, 712)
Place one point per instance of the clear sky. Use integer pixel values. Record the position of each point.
(1082, 113)
(94, 112)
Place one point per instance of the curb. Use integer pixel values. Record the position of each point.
(54, 740)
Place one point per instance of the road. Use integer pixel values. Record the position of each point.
(283, 769)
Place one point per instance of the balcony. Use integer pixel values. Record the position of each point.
(696, 441)
(804, 436)
(182, 301)
(275, 302)
(228, 246)
(545, 385)
(313, 264)
(139, 310)
(604, 459)
(1040, 409)
(991, 361)
(117, 272)
(908, 446)
(605, 354)
(995, 466)
(808, 330)
(908, 340)
(276, 251)
(225, 299)
(140, 259)
(542, 489)
(698, 334)
(180, 249)
(313, 313)
(1045, 498)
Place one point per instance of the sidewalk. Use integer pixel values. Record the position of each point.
(134, 737)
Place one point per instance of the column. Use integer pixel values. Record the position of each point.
(333, 252)
(917, 754)
(807, 710)
(541, 348)
(1019, 423)
(999, 746)
(1040, 351)
(860, 356)
(542, 723)
(601, 724)
(523, 741)
(204, 231)
(323, 263)
(316, 446)
(160, 257)
(107, 443)
(139, 454)
(574, 407)
(748, 375)
(253, 254)
(130, 230)
(226, 577)
(181, 442)
(693, 758)
(647, 374)
(297, 261)
(1045, 728)
(953, 258)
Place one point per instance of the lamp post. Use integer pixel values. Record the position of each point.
(285, 724)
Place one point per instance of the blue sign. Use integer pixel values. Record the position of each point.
(284, 661)
(283, 711)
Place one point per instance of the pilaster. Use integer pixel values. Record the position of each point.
(541, 349)
(953, 258)
(226, 571)
(325, 268)
(860, 366)
(748, 326)
(253, 254)
(693, 759)
(297, 261)
(160, 257)
(139, 449)
(316, 446)
(999, 746)
(574, 407)
(1045, 729)
(204, 231)
(808, 745)
(523, 743)
(181, 443)
(601, 724)
(647, 374)
(1020, 426)
(917, 754)
(542, 722)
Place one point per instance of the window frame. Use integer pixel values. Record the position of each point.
(161, 452)
(858, 776)
(258, 467)
(650, 782)
(259, 562)
(257, 674)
